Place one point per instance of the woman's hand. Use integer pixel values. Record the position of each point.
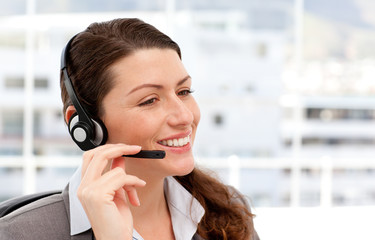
(105, 194)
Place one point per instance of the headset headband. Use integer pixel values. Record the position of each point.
(69, 86)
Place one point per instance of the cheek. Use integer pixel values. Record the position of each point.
(130, 128)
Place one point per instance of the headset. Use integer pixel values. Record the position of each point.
(86, 132)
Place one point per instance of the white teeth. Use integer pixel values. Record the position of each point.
(178, 142)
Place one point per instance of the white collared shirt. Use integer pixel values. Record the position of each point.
(186, 212)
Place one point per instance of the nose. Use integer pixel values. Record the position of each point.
(179, 113)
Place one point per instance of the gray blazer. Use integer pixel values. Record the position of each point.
(46, 219)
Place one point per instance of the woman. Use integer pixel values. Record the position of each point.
(128, 76)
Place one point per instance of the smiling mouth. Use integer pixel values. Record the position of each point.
(177, 142)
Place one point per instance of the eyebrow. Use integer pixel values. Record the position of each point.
(157, 86)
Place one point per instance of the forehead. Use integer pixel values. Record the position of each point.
(148, 66)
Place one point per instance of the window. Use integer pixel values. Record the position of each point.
(326, 114)
(12, 123)
(41, 83)
(261, 50)
(17, 82)
(218, 119)
(14, 82)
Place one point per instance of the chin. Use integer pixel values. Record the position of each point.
(186, 167)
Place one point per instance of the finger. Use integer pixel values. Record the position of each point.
(100, 159)
(121, 200)
(104, 188)
(120, 162)
(120, 179)
(133, 196)
(88, 156)
(129, 184)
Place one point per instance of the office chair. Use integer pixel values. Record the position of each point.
(12, 204)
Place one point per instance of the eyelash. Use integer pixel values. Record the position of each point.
(185, 92)
(147, 102)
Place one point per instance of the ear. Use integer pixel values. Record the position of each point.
(69, 112)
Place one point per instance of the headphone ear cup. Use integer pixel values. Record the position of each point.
(84, 136)
(81, 133)
(73, 122)
(101, 134)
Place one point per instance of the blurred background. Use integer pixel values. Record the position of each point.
(286, 90)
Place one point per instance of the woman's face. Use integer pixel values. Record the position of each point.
(150, 105)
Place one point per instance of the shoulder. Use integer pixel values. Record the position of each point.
(46, 218)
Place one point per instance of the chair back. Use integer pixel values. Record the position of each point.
(12, 204)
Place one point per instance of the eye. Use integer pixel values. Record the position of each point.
(148, 102)
(185, 92)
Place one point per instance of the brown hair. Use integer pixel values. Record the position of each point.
(227, 213)
(94, 50)
(91, 54)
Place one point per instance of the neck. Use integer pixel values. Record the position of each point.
(153, 203)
